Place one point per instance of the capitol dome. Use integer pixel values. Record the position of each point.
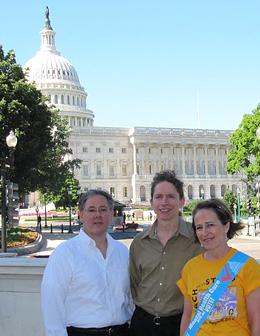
(58, 80)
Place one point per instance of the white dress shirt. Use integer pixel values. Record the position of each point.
(82, 289)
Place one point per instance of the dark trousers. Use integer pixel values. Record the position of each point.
(145, 324)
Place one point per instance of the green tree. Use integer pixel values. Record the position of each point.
(230, 199)
(42, 134)
(60, 197)
(245, 155)
(190, 206)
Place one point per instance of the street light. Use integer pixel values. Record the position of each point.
(238, 205)
(202, 193)
(11, 141)
(79, 192)
(70, 227)
(45, 212)
(235, 211)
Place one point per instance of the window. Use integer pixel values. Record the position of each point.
(98, 170)
(62, 99)
(150, 151)
(124, 150)
(112, 191)
(137, 150)
(111, 170)
(85, 170)
(56, 99)
(73, 100)
(150, 170)
(137, 169)
(161, 151)
(124, 191)
(85, 149)
(111, 150)
(98, 150)
(49, 99)
(68, 100)
(124, 170)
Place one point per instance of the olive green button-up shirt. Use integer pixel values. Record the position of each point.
(155, 269)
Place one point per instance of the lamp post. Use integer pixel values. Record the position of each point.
(70, 227)
(11, 142)
(79, 192)
(238, 205)
(235, 211)
(45, 212)
(202, 193)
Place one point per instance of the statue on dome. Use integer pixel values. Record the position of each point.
(47, 13)
(47, 21)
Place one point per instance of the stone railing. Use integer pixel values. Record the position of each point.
(20, 301)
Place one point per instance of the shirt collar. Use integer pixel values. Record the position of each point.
(182, 230)
(84, 237)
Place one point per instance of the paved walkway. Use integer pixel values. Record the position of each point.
(52, 240)
(246, 244)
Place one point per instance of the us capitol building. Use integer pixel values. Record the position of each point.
(123, 161)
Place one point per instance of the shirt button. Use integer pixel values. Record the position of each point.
(160, 284)
(158, 299)
(162, 268)
(164, 252)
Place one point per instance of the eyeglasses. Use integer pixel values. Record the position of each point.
(94, 210)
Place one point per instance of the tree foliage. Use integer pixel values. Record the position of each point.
(42, 147)
(60, 196)
(230, 199)
(190, 206)
(245, 155)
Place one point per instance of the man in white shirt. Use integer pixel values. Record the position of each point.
(86, 287)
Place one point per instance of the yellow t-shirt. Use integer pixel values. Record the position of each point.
(229, 316)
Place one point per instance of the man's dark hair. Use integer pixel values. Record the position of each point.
(168, 176)
(223, 214)
(93, 192)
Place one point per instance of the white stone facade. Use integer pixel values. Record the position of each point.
(123, 161)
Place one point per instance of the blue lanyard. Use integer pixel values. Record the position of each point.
(212, 295)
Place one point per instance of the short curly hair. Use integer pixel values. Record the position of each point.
(168, 176)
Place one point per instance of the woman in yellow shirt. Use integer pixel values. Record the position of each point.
(237, 311)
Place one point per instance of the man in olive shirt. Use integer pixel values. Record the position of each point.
(157, 257)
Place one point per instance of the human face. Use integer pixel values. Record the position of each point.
(166, 201)
(96, 216)
(211, 233)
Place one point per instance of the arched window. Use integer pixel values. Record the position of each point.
(223, 190)
(212, 191)
(190, 192)
(142, 193)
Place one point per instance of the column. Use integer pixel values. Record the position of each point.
(172, 159)
(206, 160)
(134, 171)
(217, 160)
(183, 159)
(147, 159)
(195, 168)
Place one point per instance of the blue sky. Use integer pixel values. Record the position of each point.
(143, 62)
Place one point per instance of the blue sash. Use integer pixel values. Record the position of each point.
(212, 295)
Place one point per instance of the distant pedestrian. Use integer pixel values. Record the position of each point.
(39, 220)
